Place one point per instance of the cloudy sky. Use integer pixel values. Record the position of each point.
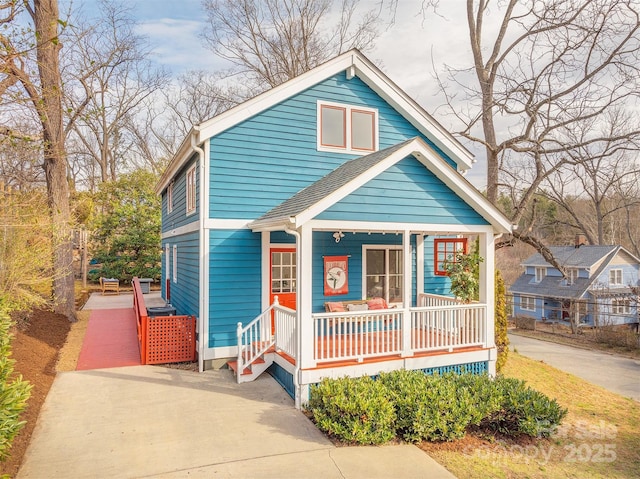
(407, 50)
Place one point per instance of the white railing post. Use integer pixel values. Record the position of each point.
(240, 349)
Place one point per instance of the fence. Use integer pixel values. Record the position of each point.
(163, 339)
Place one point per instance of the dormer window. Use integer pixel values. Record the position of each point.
(541, 272)
(347, 128)
(572, 275)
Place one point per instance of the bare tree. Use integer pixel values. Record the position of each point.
(43, 90)
(109, 76)
(272, 41)
(540, 69)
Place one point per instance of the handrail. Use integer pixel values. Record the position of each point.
(252, 339)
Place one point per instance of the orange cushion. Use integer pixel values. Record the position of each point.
(336, 307)
(377, 303)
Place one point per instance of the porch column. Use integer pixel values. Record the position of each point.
(487, 293)
(407, 294)
(304, 300)
(419, 264)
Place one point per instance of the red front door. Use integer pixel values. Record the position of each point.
(283, 276)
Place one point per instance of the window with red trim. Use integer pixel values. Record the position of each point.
(347, 128)
(445, 249)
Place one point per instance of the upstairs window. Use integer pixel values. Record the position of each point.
(541, 272)
(346, 128)
(170, 198)
(572, 275)
(445, 249)
(191, 190)
(615, 277)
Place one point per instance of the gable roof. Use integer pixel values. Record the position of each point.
(355, 64)
(584, 257)
(317, 197)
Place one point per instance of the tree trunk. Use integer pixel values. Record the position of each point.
(45, 15)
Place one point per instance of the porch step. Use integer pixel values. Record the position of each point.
(251, 372)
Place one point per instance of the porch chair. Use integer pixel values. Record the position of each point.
(110, 286)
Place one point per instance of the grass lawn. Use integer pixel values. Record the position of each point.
(599, 438)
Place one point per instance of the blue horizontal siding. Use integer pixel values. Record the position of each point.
(259, 163)
(178, 216)
(234, 283)
(185, 292)
(412, 194)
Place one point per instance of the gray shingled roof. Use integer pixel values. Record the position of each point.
(583, 257)
(554, 286)
(335, 180)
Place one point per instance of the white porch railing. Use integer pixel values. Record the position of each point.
(285, 323)
(426, 299)
(357, 335)
(448, 327)
(368, 334)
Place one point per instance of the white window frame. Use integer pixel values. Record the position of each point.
(349, 110)
(572, 275)
(387, 275)
(529, 304)
(616, 277)
(167, 265)
(190, 181)
(170, 198)
(174, 274)
(541, 272)
(620, 306)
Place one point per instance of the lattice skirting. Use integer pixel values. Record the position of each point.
(170, 339)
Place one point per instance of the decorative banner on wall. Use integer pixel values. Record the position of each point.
(336, 275)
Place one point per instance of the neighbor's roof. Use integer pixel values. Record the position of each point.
(355, 64)
(317, 197)
(585, 257)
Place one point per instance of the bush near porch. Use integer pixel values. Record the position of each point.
(415, 407)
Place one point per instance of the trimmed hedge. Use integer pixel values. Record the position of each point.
(417, 407)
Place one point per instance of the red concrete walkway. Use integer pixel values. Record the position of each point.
(111, 340)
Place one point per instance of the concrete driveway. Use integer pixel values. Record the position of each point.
(147, 421)
(615, 373)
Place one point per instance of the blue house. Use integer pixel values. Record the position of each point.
(306, 229)
(597, 289)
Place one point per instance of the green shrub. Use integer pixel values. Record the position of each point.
(14, 392)
(502, 340)
(353, 410)
(418, 407)
(432, 408)
(523, 410)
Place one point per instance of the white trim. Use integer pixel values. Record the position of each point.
(181, 230)
(387, 227)
(419, 263)
(167, 265)
(226, 224)
(170, 197)
(265, 263)
(348, 108)
(204, 316)
(174, 272)
(529, 299)
(386, 248)
(188, 192)
(355, 64)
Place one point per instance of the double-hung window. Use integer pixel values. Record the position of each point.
(347, 128)
(620, 306)
(541, 272)
(170, 198)
(175, 264)
(445, 250)
(191, 190)
(527, 303)
(382, 274)
(615, 277)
